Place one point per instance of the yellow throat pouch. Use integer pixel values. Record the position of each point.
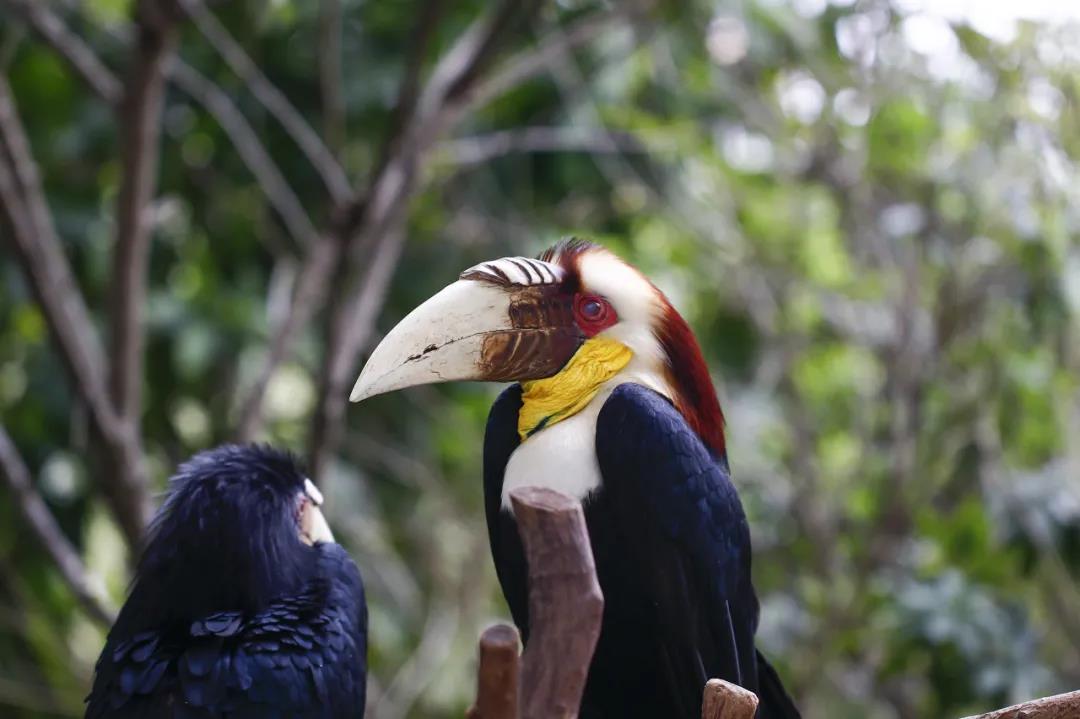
(547, 401)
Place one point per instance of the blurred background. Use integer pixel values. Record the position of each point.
(868, 210)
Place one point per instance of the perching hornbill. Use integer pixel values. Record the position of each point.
(242, 605)
(614, 406)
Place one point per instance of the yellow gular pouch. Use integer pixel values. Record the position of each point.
(545, 402)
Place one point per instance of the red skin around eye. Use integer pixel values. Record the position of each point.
(593, 314)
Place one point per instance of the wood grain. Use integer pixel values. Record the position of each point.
(565, 602)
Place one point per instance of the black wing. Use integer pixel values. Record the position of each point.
(680, 514)
(303, 656)
(500, 440)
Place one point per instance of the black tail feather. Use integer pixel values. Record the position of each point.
(775, 703)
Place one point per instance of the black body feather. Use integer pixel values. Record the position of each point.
(231, 614)
(672, 551)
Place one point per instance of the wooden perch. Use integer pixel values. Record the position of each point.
(565, 602)
(497, 677)
(724, 700)
(1060, 706)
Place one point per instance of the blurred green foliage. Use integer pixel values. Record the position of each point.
(868, 213)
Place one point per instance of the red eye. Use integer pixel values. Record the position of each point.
(593, 314)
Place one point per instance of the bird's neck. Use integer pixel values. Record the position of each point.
(548, 401)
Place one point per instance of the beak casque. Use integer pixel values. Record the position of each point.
(505, 320)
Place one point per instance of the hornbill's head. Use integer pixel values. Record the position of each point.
(569, 326)
(240, 527)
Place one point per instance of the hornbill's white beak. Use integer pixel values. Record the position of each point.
(506, 320)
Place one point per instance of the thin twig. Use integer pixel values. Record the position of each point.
(310, 291)
(330, 73)
(531, 63)
(254, 154)
(35, 512)
(375, 220)
(41, 256)
(479, 149)
(82, 59)
(352, 324)
(309, 142)
(51, 29)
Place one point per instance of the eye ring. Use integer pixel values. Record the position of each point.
(593, 313)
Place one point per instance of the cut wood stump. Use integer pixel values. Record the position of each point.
(565, 602)
(724, 700)
(497, 676)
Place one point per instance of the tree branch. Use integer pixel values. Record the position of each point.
(566, 605)
(253, 153)
(530, 63)
(330, 73)
(352, 322)
(1060, 706)
(479, 149)
(317, 153)
(51, 29)
(140, 114)
(41, 256)
(35, 512)
(310, 291)
(375, 219)
(82, 59)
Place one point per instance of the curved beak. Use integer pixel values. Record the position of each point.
(498, 323)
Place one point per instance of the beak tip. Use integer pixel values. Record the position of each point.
(358, 392)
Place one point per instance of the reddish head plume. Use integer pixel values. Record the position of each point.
(695, 396)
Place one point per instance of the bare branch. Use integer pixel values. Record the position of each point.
(352, 324)
(254, 154)
(42, 258)
(1059, 706)
(35, 512)
(82, 59)
(566, 605)
(330, 73)
(724, 700)
(317, 153)
(469, 151)
(497, 675)
(310, 291)
(528, 64)
(140, 113)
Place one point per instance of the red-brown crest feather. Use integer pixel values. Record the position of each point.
(695, 396)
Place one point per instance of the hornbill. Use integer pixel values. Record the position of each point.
(614, 406)
(242, 604)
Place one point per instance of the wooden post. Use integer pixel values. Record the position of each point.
(497, 676)
(565, 602)
(724, 700)
(1060, 706)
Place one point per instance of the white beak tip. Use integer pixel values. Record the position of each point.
(359, 391)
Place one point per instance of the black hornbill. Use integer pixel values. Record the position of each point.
(614, 406)
(242, 604)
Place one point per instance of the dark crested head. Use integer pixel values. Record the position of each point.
(239, 528)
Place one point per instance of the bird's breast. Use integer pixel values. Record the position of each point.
(561, 457)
